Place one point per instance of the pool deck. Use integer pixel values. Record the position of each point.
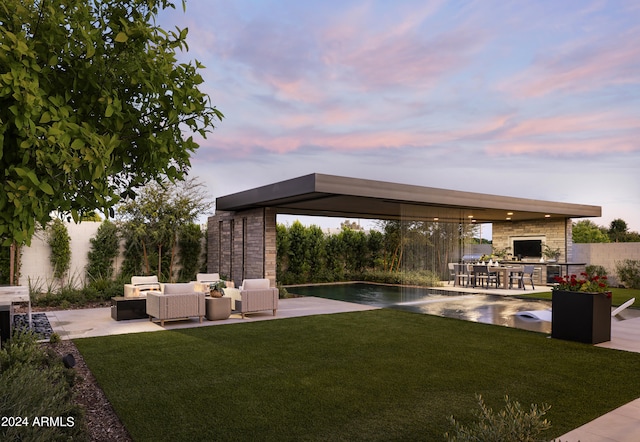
(621, 424)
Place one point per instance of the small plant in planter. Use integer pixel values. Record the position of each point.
(216, 289)
(551, 254)
(585, 283)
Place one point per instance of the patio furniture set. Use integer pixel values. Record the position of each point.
(147, 297)
(485, 275)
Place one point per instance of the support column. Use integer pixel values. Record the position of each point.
(243, 244)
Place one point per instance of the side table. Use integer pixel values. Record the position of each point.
(128, 308)
(217, 308)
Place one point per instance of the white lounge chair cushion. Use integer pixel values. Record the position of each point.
(145, 282)
(255, 284)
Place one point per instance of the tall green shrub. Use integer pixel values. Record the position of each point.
(60, 243)
(103, 251)
(189, 251)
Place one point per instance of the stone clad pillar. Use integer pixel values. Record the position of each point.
(242, 244)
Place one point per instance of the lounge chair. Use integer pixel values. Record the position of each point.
(140, 285)
(256, 295)
(177, 301)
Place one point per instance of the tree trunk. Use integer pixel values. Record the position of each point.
(173, 256)
(146, 258)
(12, 256)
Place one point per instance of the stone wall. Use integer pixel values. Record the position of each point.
(556, 233)
(243, 244)
(607, 255)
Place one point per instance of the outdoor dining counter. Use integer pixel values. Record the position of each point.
(544, 271)
(503, 271)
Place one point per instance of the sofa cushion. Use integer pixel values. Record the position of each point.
(179, 288)
(254, 284)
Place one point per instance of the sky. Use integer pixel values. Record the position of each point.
(533, 99)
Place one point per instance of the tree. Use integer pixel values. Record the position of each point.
(586, 231)
(618, 230)
(152, 221)
(93, 105)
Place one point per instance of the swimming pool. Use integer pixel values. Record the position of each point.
(488, 309)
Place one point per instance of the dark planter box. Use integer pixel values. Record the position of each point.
(581, 317)
(128, 308)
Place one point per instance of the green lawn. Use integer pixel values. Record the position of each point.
(376, 375)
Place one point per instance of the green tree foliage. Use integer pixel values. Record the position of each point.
(150, 225)
(60, 242)
(93, 105)
(298, 252)
(306, 254)
(619, 232)
(103, 251)
(586, 231)
(190, 251)
(283, 248)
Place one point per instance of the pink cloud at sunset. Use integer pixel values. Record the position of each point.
(436, 93)
(590, 65)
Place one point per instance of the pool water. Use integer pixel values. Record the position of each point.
(488, 309)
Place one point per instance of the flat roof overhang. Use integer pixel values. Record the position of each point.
(335, 196)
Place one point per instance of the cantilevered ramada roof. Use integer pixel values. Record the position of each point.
(329, 195)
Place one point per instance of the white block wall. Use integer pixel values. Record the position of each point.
(606, 255)
(35, 264)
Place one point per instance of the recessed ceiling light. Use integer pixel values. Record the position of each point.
(547, 216)
(508, 218)
(469, 216)
(473, 220)
(509, 213)
(436, 218)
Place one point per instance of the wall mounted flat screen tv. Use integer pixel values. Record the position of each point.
(530, 248)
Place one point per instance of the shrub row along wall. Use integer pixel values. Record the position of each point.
(35, 264)
(607, 255)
